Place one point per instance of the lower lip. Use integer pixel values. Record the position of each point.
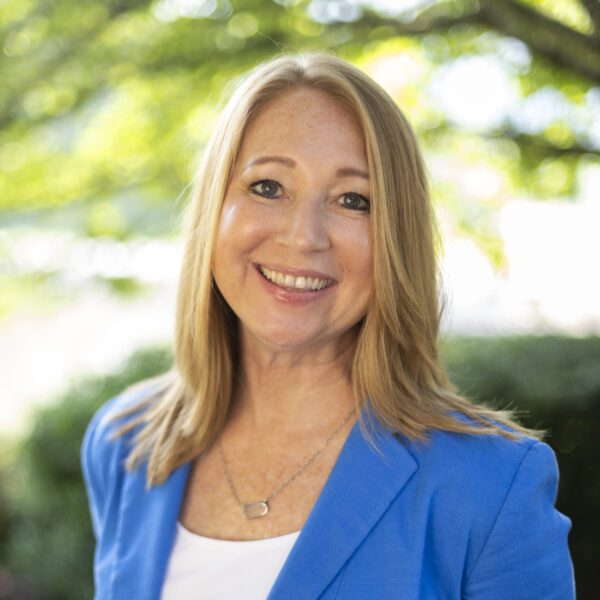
(289, 296)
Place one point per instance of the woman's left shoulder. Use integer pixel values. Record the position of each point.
(489, 459)
(502, 492)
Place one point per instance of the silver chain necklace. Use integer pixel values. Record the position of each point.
(260, 508)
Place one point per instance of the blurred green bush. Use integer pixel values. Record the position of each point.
(45, 534)
(46, 542)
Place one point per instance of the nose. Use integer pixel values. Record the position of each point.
(304, 226)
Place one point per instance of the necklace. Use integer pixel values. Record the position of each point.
(260, 508)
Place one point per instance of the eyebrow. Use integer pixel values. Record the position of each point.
(288, 162)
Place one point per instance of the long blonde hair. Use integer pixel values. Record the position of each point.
(396, 366)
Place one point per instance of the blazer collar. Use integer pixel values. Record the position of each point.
(360, 487)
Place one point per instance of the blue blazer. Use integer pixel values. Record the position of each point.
(462, 517)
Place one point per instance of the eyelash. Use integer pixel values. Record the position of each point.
(253, 189)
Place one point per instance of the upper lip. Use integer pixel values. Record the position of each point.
(295, 272)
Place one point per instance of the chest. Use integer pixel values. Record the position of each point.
(366, 536)
(290, 487)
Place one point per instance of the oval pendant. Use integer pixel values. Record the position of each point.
(256, 509)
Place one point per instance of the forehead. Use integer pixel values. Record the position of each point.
(302, 116)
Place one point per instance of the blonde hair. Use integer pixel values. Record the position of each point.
(396, 366)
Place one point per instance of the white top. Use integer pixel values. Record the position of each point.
(202, 568)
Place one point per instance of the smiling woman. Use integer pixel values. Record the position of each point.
(307, 438)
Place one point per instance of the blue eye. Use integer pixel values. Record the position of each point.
(355, 201)
(266, 188)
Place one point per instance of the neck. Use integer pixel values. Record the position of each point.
(292, 392)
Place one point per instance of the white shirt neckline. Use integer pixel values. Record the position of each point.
(219, 541)
(201, 568)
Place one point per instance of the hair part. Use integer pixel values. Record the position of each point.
(396, 367)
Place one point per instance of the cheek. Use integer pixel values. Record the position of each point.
(238, 233)
(359, 250)
(229, 223)
(359, 259)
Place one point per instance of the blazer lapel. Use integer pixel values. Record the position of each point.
(360, 487)
(145, 534)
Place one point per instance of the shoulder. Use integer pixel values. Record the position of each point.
(474, 478)
(103, 450)
(479, 459)
(499, 494)
(101, 438)
(485, 482)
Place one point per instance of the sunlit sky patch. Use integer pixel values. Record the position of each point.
(474, 92)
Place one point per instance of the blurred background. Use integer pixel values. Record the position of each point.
(104, 109)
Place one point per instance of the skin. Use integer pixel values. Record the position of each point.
(294, 387)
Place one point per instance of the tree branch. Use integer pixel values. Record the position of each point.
(424, 23)
(593, 9)
(547, 37)
(541, 146)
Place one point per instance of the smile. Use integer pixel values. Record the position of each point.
(295, 283)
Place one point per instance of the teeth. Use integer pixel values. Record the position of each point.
(298, 283)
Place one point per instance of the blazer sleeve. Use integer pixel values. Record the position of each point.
(526, 554)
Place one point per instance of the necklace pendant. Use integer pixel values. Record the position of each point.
(255, 510)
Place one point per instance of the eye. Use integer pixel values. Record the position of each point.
(355, 201)
(266, 188)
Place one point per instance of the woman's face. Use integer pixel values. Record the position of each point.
(293, 254)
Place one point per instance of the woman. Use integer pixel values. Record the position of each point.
(307, 443)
